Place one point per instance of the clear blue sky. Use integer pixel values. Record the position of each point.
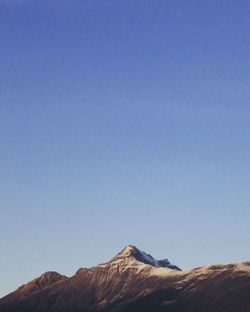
(123, 122)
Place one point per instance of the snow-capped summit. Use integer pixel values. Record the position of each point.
(135, 253)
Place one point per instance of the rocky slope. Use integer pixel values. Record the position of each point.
(135, 281)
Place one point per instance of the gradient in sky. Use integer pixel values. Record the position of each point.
(123, 122)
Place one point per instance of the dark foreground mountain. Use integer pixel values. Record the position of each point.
(134, 281)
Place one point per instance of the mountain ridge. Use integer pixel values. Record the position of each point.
(134, 281)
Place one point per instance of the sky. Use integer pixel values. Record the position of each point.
(122, 122)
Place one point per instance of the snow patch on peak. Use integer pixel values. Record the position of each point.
(133, 252)
(128, 251)
(243, 266)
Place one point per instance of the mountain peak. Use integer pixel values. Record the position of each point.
(43, 281)
(128, 251)
(50, 276)
(135, 253)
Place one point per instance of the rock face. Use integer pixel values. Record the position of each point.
(135, 281)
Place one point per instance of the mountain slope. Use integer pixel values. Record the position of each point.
(135, 281)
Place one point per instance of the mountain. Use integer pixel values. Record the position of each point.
(134, 281)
